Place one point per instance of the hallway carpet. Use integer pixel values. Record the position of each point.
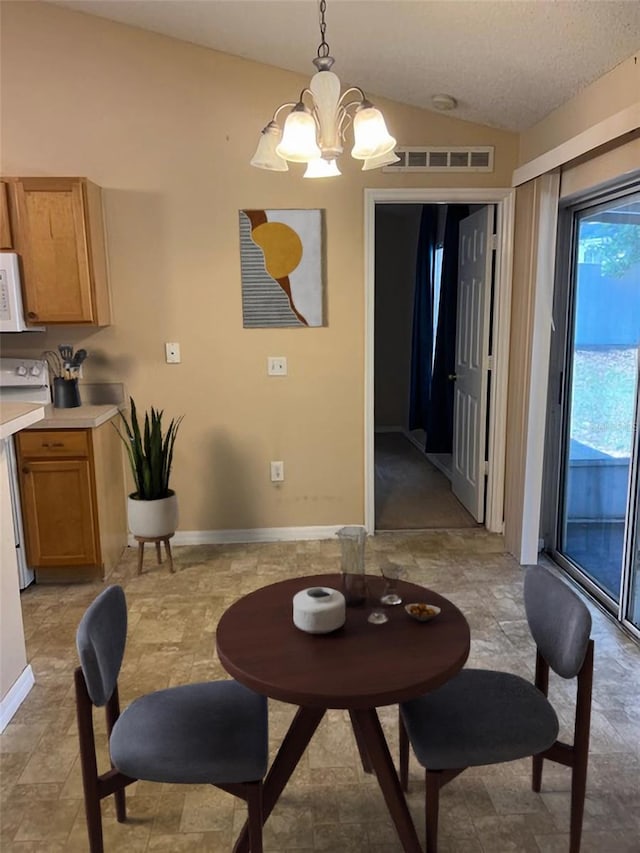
(411, 494)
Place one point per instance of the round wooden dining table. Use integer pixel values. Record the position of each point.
(359, 667)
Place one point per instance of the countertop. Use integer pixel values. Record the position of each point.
(81, 417)
(17, 416)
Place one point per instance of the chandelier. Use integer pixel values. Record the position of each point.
(314, 131)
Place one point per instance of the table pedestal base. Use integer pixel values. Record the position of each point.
(375, 757)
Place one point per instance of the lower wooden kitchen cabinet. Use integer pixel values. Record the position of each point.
(73, 501)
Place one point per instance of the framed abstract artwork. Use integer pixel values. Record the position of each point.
(281, 268)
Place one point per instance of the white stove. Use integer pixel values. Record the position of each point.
(24, 380)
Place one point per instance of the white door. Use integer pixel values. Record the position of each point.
(475, 260)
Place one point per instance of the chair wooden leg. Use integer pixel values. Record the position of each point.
(578, 793)
(94, 822)
(542, 683)
(581, 748)
(536, 773)
(112, 712)
(432, 805)
(255, 814)
(88, 765)
(121, 806)
(403, 739)
(120, 799)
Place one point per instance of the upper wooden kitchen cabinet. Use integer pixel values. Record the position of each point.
(57, 228)
(6, 240)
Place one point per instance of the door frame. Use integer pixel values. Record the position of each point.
(504, 200)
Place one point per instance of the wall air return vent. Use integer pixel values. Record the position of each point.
(448, 159)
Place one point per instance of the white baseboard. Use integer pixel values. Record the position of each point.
(16, 696)
(443, 462)
(409, 435)
(256, 534)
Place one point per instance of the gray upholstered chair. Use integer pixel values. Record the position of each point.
(216, 732)
(484, 717)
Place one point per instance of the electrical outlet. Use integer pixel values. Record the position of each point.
(277, 472)
(277, 365)
(172, 353)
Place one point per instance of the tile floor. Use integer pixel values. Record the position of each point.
(330, 806)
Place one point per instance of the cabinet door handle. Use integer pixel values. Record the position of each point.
(26, 469)
(53, 443)
(32, 315)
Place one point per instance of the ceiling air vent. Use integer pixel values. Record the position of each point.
(452, 159)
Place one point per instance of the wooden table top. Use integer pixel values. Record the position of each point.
(361, 665)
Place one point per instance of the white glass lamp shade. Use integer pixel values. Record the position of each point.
(382, 160)
(265, 156)
(298, 143)
(371, 137)
(321, 168)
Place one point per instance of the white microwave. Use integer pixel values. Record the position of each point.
(11, 313)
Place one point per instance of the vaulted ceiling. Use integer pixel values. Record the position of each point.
(508, 63)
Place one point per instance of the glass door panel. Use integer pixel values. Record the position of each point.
(602, 378)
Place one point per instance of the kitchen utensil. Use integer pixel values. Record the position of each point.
(78, 358)
(66, 351)
(54, 362)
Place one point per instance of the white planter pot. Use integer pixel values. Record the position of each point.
(153, 518)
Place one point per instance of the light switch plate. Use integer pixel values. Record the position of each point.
(277, 472)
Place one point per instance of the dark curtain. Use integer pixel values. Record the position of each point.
(439, 424)
(422, 337)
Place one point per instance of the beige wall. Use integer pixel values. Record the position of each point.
(167, 129)
(13, 656)
(611, 93)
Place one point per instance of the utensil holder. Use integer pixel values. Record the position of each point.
(66, 394)
(354, 584)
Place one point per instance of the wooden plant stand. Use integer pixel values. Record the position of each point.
(141, 540)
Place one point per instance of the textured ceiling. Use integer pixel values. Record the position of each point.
(507, 62)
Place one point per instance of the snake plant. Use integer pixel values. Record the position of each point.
(150, 452)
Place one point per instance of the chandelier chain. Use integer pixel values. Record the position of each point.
(323, 47)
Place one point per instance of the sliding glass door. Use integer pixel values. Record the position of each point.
(631, 599)
(597, 499)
